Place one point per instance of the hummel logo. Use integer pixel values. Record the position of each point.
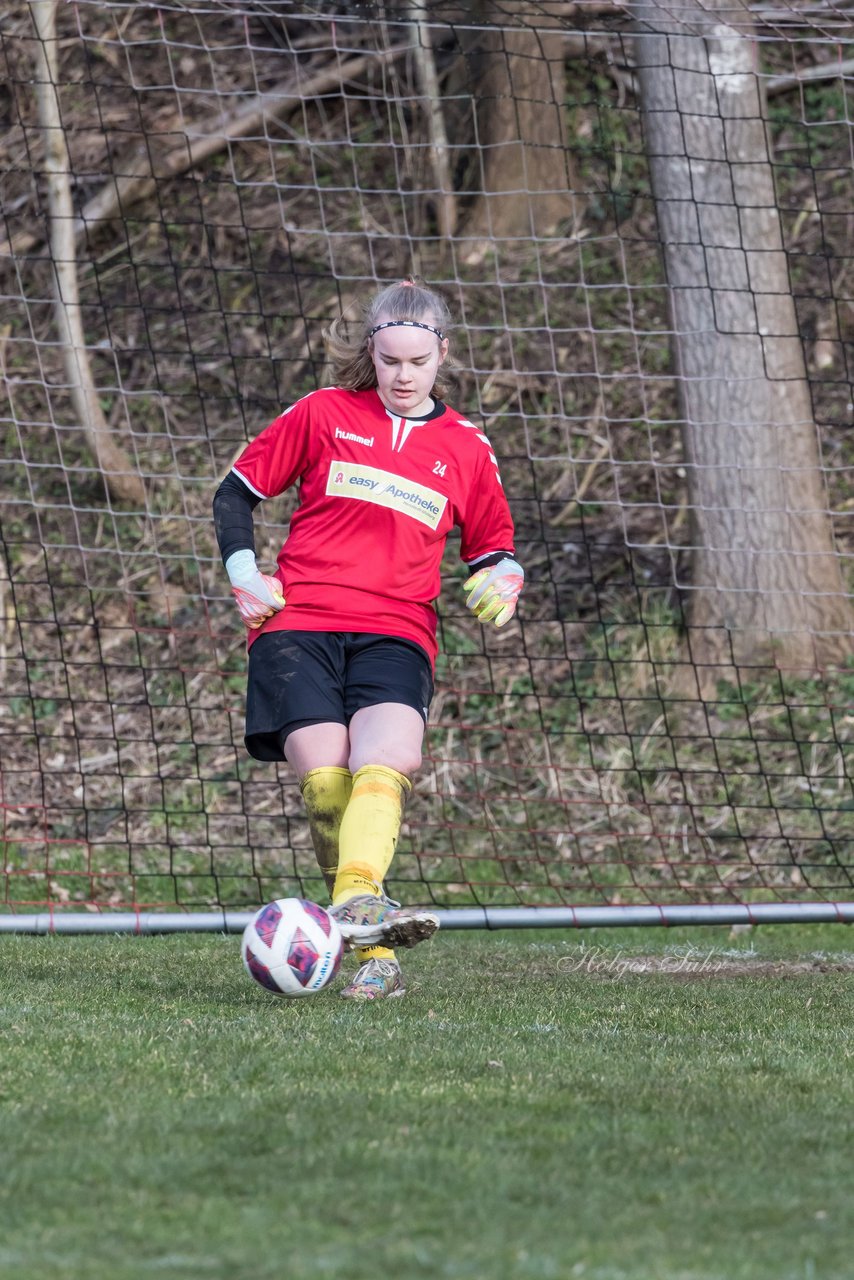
(351, 435)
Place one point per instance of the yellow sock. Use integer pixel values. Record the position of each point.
(326, 793)
(369, 830)
(373, 953)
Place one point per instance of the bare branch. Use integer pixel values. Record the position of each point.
(122, 480)
(828, 71)
(139, 182)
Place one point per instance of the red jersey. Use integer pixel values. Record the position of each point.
(378, 496)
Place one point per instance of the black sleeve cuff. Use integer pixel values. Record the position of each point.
(494, 557)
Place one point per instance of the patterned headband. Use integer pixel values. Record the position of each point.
(409, 324)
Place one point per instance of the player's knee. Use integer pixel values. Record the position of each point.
(387, 735)
(410, 763)
(403, 760)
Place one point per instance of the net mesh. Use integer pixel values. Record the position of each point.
(239, 174)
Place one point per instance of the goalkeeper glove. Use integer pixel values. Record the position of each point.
(493, 592)
(258, 595)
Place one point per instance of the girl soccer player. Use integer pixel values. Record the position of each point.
(342, 638)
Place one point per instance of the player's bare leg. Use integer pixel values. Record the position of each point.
(316, 746)
(388, 733)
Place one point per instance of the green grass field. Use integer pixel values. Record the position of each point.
(615, 1105)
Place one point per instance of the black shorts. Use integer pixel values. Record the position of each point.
(298, 678)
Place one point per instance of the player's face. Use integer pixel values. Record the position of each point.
(406, 361)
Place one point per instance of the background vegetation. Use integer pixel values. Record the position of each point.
(572, 758)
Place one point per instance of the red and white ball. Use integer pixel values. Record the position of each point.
(292, 947)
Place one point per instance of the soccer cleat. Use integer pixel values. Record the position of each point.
(369, 921)
(375, 979)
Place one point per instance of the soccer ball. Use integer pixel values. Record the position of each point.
(292, 947)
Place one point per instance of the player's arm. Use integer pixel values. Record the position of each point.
(496, 578)
(266, 467)
(258, 595)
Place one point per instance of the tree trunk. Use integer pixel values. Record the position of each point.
(766, 584)
(519, 87)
